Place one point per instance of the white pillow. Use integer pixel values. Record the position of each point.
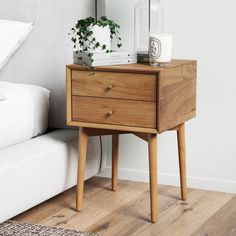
(23, 112)
(40, 98)
(12, 35)
(16, 115)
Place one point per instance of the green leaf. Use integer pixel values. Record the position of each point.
(81, 33)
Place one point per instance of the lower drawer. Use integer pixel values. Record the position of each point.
(114, 111)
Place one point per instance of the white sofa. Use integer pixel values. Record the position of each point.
(35, 166)
(36, 170)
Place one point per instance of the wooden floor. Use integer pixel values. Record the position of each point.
(126, 212)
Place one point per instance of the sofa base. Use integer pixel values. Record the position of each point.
(38, 169)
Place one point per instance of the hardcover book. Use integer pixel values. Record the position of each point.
(104, 59)
(109, 62)
(110, 55)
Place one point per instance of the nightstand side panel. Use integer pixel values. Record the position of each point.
(68, 96)
(177, 95)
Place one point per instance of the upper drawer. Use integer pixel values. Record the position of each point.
(114, 85)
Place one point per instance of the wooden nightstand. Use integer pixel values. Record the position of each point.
(138, 99)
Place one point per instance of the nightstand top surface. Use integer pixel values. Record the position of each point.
(138, 68)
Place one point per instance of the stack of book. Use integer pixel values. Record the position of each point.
(143, 57)
(105, 59)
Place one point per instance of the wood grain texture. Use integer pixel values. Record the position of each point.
(115, 158)
(100, 202)
(83, 141)
(182, 161)
(152, 147)
(222, 223)
(126, 213)
(133, 216)
(131, 68)
(114, 85)
(137, 98)
(114, 111)
(143, 136)
(113, 127)
(185, 218)
(177, 96)
(175, 90)
(101, 132)
(68, 96)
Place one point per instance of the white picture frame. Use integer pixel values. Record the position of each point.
(123, 13)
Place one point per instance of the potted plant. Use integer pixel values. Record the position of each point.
(94, 36)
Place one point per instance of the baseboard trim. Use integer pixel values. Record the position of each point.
(171, 179)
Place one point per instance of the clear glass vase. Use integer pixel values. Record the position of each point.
(156, 16)
(147, 20)
(141, 25)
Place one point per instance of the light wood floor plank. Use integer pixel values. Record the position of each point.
(127, 211)
(66, 200)
(96, 205)
(133, 216)
(106, 202)
(184, 218)
(222, 223)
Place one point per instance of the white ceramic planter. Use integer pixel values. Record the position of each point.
(102, 35)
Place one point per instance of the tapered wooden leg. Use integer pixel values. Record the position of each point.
(83, 140)
(115, 153)
(152, 144)
(182, 161)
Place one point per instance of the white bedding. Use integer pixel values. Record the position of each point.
(12, 35)
(23, 112)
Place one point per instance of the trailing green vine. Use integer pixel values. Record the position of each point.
(82, 35)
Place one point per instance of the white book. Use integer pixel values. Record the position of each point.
(119, 61)
(107, 56)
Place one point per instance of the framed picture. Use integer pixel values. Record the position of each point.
(132, 16)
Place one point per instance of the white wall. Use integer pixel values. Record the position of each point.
(206, 31)
(42, 58)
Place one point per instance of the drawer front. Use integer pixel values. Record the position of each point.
(114, 111)
(114, 85)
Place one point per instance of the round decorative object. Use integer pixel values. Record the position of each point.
(160, 49)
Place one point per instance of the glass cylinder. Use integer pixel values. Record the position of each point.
(141, 25)
(148, 20)
(156, 12)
